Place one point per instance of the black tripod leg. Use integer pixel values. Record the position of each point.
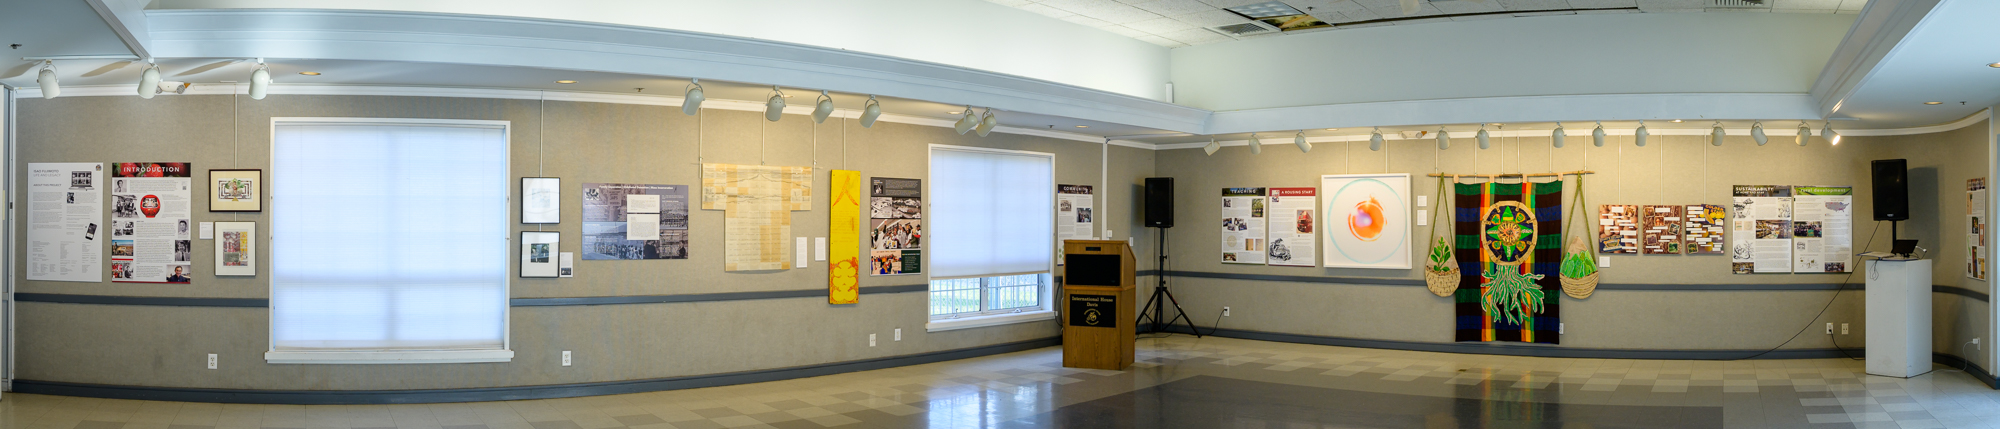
(1182, 315)
(1143, 313)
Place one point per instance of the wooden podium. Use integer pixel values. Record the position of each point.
(1097, 298)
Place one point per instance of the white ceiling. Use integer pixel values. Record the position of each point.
(1943, 59)
(1177, 23)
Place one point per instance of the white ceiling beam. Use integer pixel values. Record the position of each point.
(1881, 27)
(1550, 108)
(128, 19)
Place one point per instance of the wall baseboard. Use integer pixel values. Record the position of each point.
(1970, 368)
(358, 397)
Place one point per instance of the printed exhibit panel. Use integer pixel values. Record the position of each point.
(895, 226)
(1618, 229)
(631, 221)
(1976, 225)
(1822, 229)
(1706, 224)
(65, 208)
(1760, 234)
(1243, 211)
(1660, 230)
(1292, 239)
(151, 209)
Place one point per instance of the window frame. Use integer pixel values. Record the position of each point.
(360, 356)
(984, 317)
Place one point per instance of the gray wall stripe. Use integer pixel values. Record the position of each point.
(1955, 290)
(142, 300)
(349, 397)
(703, 297)
(1516, 349)
(1739, 287)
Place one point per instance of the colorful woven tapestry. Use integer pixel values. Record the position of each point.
(1509, 244)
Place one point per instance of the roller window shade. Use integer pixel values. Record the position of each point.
(991, 212)
(388, 237)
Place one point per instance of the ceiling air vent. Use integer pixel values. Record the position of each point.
(1765, 4)
(1251, 28)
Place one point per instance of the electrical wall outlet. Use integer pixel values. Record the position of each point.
(1423, 201)
(565, 357)
(1225, 311)
(1843, 329)
(211, 361)
(871, 340)
(1829, 328)
(1560, 328)
(899, 334)
(1975, 344)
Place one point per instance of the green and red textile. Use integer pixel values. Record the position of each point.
(1509, 244)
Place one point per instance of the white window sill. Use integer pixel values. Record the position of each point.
(988, 320)
(389, 357)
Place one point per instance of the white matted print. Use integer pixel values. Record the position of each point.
(1367, 220)
(541, 200)
(235, 248)
(538, 254)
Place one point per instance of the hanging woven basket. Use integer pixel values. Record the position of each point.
(1578, 287)
(1446, 282)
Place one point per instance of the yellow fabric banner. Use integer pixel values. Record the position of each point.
(844, 243)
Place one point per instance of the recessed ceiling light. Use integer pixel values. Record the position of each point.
(1083, 126)
(954, 112)
(1994, 65)
(1333, 129)
(1677, 121)
(310, 73)
(1933, 102)
(565, 82)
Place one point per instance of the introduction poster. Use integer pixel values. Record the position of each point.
(634, 221)
(1293, 243)
(150, 241)
(895, 226)
(1822, 223)
(1243, 225)
(1367, 220)
(65, 204)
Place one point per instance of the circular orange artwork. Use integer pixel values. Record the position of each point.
(1366, 220)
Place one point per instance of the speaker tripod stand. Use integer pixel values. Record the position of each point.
(1155, 308)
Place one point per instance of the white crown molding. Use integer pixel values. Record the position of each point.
(1967, 121)
(1543, 108)
(1875, 36)
(1776, 129)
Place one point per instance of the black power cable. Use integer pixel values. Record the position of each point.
(1844, 281)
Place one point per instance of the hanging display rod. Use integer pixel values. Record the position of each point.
(1521, 175)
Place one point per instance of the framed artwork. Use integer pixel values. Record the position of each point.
(538, 254)
(235, 248)
(1368, 220)
(236, 190)
(541, 200)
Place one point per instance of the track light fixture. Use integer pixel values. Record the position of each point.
(1375, 139)
(1639, 135)
(149, 80)
(1757, 133)
(1444, 139)
(692, 104)
(1212, 146)
(774, 107)
(822, 108)
(1256, 146)
(870, 111)
(1483, 142)
(1556, 137)
(1716, 134)
(260, 80)
(986, 123)
(1300, 141)
(965, 122)
(1597, 135)
(47, 79)
(1805, 133)
(1827, 133)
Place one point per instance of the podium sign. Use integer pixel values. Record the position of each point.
(1094, 311)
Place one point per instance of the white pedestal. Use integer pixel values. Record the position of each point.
(1899, 317)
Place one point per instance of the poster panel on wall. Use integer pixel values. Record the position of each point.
(1293, 243)
(1822, 229)
(1760, 233)
(1243, 219)
(1368, 220)
(65, 206)
(1976, 225)
(843, 268)
(1075, 217)
(1660, 230)
(151, 240)
(895, 226)
(1705, 226)
(632, 221)
(1618, 229)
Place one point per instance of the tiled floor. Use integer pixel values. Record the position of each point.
(1179, 382)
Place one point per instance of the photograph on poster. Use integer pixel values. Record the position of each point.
(1368, 220)
(233, 190)
(896, 234)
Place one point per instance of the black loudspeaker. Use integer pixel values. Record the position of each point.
(1892, 189)
(1160, 202)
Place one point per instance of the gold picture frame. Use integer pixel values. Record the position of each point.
(240, 190)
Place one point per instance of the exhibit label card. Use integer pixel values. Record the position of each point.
(1243, 225)
(151, 238)
(609, 227)
(1822, 224)
(1760, 234)
(65, 204)
(1293, 243)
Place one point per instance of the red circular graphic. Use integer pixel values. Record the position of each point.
(150, 205)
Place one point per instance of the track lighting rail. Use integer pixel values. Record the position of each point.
(1520, 175)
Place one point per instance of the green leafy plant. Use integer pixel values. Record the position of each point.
(1440, 256)
(1511, 296)
(1577, 265)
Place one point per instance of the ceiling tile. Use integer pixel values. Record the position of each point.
(1012, 3)
(1467, 7)
(1181, 7)
(1397, 11)
(1233, 3)
(1534, 4)
(1545, 13)
(1826, 11)
(1331, 17)
(1362, 14)
(1853, 5)
(1481, 17)
(1162, 41)
(1672, 5)
(1124, 31)
(1159, 26)
(1590, 4)
(1805, 4)
(1314, 7)
(1047, 11)
(1108, 10)
(1211, 18)
(1195, 36)
(1372, 4)
(1085, 20)
(1423, 21)
(1737, 10)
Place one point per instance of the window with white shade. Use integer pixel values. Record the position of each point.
(992, 231)
(389, 241)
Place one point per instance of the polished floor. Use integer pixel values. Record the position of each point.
(1180, 382)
